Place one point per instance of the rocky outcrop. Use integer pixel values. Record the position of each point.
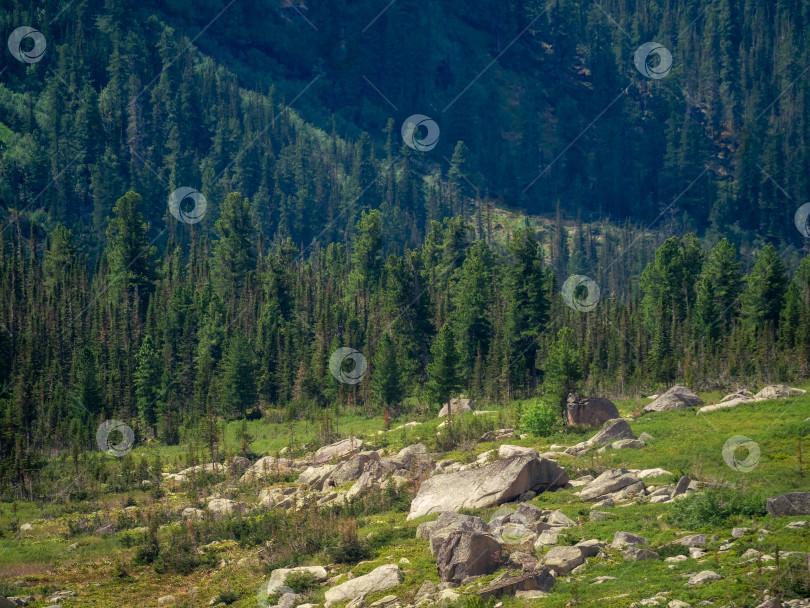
(221, 507)
(337, 451)
(611, 482)
(379, 579)
(625, 539)
(352, 468)
(614, 430)
(315, 477)
(743, 394)
(457, 406)
(414, 456)
(507, 451)
(276, 498)
(677, 397)
(778, 391)
(792, 503)
(464, 554)
(590, 411)
(487, 486)
(264, 469)
(212, 467)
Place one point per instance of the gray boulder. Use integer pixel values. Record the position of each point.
(263, 469)
(590, 411)
(457, 406)
(379, 579)
(704, 577)
(636, 554)
(465, 554)
(337, 451)
(486, 486)
(624, 539)
(676, 398)
(447, 524)
(316, 477)
(743, 394)
(224, 506)
(413, 456)
(778, 391)
(792, 503)
(682, 486)
(613, 430)
(693, 540)
(563, 559)
(351, 468)
(610, 482)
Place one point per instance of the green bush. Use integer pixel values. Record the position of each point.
(300, 582)
(227, 597)
(714, 507)
(671, 550)
(539, 418)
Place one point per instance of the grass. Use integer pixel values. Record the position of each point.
(60, 554)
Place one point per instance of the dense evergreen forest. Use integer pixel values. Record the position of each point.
(323, 230)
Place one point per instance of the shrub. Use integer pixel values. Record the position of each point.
(226, 597)
(300, 582)
(539, 418)
(671, 550)
(349, 549)
(714, 507)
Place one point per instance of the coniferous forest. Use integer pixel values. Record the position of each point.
(321, 226)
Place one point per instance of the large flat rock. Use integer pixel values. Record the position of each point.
(612, 480)
(676, 398)
(487, 486)
(337, 451)
(379, 579)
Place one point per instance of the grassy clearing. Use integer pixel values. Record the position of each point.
(64, 551)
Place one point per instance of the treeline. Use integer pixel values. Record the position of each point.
(128, 97)
(240, 327)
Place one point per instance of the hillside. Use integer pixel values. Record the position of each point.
(96, 549)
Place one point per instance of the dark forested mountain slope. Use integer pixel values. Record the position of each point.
(546, 97)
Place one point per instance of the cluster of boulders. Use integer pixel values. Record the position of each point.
(773, 391)
(467, 547)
